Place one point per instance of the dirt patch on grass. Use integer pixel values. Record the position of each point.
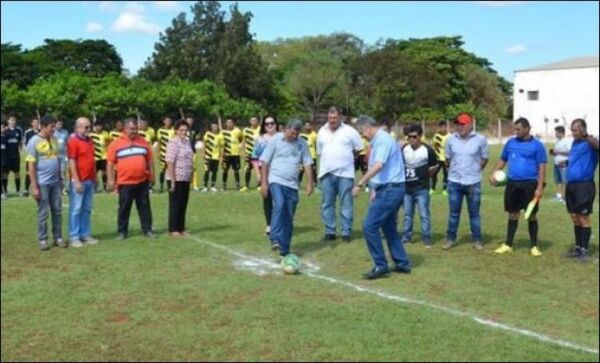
(591, 313)
(119, 318)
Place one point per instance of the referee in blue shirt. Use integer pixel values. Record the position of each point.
(581, 190)
(526, 158)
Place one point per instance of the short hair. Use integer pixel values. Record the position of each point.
(560, 129)
(579, 121)
(130, 120)
(414, 128)
(442, 123)
(365, 121)
(334, 109)
(294, 124)
(47, 120)
(180, 123)
(523, 122)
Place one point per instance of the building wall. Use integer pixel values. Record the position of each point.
(564, 94)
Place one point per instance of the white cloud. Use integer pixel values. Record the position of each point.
(166, 5)
(516, 49)
(498, 4)
(107, 6)
(133, 19)
(93, 27)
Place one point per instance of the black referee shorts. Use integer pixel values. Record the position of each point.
(13, 165)
(580, 197)
(518, 194)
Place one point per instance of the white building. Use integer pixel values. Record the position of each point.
(555, 94)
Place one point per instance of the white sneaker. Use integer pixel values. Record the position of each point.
(197, 189)
(75, 243)
(3, 196)
(204, 190)
(213, 189)
(90, 241)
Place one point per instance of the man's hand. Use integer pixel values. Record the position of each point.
(78, 187)
(35, 192)
(355, 191)
(539, 192)
(492, 180)
(264, 189)
(172, 188)
(110, 186)
(309, 188)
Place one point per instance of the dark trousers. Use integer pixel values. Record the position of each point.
(444, 169)
(212, 166)
(139, 193)
(268, 208)
(178, 201)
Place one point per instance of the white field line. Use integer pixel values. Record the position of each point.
(261, 266)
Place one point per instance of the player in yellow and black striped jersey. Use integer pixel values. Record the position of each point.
(163, 136)
(117, 131)
(251, 133)
(233, 137)
(213, 155)
(100, 139)
(438, 143)
(146, 131)
(310, 136)
(361, 159)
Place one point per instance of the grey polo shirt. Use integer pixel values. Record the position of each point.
(466, 155)
(284, 157)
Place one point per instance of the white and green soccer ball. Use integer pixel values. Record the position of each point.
(290, 264)
(500, 177)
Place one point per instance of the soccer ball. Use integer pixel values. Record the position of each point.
(500, 178)
(199, 145)
(290, 264)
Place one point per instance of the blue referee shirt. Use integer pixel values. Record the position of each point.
(524, 158)
(583, 160)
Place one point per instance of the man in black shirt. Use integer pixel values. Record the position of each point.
(3, 160)
(29, 133)
(14, 140)
(420, 163)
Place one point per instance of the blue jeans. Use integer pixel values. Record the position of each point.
(285, 200)
(421, 198)
(50, 199)
(333, 186)
(472, 193)
(560, 175)
(80, 210)
(382, 214)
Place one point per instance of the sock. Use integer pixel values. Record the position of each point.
(533, 233)
(161, 178)
(27, 183)
(511, 230)
(586, 233)
(236, 176)
(247, 177)
(18, 184)
(206, 175)
(577, 230)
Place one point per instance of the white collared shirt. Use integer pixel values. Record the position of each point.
(336, 150)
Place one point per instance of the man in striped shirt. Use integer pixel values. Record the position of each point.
(101, 139)
(163, 136)
(251, 133)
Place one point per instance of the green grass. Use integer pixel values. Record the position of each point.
(183, 299)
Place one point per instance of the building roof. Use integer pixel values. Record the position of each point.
(580, 62)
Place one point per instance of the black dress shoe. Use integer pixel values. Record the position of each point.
(402, 270)
(329, 237)
(376, 273)
(346, 239)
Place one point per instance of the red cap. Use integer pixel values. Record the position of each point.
(463, 119)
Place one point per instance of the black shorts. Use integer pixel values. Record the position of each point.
(101, 166)
(580, 197)
(360, 163)
(211, 165)
(232, 161)
(518, 194)
(13, 165)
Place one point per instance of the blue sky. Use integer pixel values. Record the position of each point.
(511, 34)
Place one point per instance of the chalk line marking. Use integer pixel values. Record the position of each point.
(264, 265)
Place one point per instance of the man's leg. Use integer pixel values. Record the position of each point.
(277, 214)
(56, 209)
(344, 190)
(236, 171)
(409, 210)
(126, 196)
(377, 214)
(422, 199)
(142, 203)
(43, 210)
(394, 199)
(291, 201)
(225, 175)
(455, 195)
(248, 173)
(328, 187)
(75, 206)
(474, 205)
(86, 209)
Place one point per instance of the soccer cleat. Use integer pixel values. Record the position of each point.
(60, 243)
(197, 189)
(75, 243)
(204, 190)
(584, 256)
(535, 252)
(268, 230)
(213, 189)
(244, 189)
(504, 248)
(478, 246)
(90, 241)
(448, 245)
(573, 252)
(43, 245)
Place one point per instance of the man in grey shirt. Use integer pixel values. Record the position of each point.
(280, 161)
(467, 153)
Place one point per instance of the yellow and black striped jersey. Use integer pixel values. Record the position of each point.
(163, 137)
(250, 135)
(232, 139)
(213, 145)
(101, 141)
(114, 134)
(438, 143)
(365, 146)
(149, 134)
(311, 140)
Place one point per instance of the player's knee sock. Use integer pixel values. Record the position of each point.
(213, 179)
(225, 177)
(18, 184)
(236, 176)
(247, 177)
(533, 232)
(206, 175)
(577, 231)
(161, 179)
(586, 233)
(511, 230)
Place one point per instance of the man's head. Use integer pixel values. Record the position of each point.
(579, 129)
(214, 127)
(167, 122)
(119, 126)
(367, 126)
(47, 126)
(229, 124)
(292, 129)
(559, 132)
(442, 127)
(130, 127)
(98, 127)
(521, 128)
(190, 121)
(253, 122)
(308, 127)
(333, 118)
(414, 135)
(59, 124)
(143, 125)
(83, 126)
(35, 124)
(12, 122)
(464, 124)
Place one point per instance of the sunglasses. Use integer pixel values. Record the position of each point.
(413, 136)
(269, 123)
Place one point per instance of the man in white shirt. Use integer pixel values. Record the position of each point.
(561, 150)
(336, 145)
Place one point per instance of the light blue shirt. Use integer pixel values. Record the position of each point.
(384, 149)
(62, 136)
(283, 157)
(466, 155)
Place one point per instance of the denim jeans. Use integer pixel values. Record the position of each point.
(382, 214)
(80, 210)
(285, 200)
(50, 199)
(420, 197)
(333, 186)
(472, 193)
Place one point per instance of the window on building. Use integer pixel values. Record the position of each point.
(533, 95)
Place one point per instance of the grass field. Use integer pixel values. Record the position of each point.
(204, 298)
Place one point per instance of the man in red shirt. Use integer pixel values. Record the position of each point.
(82, 170)
(132, 155)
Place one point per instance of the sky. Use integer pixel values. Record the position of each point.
(512, 35)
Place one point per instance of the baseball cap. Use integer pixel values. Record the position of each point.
(463, 118)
